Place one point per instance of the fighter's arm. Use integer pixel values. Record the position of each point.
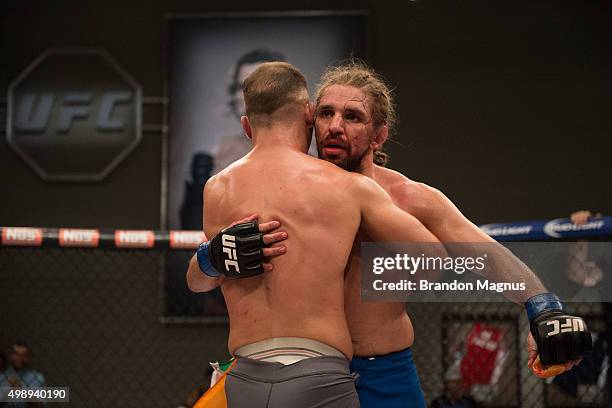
(445, 220)
(448, 224)
(382, 220)
(198, 281)
(436, 212)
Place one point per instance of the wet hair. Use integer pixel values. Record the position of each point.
(381, 157)
(272, 86)
(358, 74)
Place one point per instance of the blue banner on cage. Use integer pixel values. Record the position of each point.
(552, 229)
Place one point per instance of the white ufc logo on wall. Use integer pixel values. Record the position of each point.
(74, 114)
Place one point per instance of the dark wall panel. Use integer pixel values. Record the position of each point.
(504, 106)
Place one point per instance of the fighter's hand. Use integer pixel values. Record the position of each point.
(270, 237)
(242, 249)
(536, 365)
(557, 340)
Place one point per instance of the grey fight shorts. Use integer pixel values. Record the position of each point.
(314, 382)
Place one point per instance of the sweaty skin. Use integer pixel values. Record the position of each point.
(383, 327)
(321, 207)
(379, 328)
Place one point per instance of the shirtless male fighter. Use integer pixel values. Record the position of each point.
(382, 332)
(288, 328)
(350, 95)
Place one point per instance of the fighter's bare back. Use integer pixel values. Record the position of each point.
(303, 295)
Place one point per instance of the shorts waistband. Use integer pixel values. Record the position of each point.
(287, 350)
(276, 372)
(407, 352)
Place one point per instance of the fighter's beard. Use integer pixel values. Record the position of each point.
(350, 163)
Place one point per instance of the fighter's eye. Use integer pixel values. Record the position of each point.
(325, 113)
(352, 117)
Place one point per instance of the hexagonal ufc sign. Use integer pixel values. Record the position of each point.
(74, 114)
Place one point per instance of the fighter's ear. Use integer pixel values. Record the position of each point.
(380, 137)
(246, 126)
(309, 114)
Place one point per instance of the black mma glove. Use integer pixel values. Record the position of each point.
(560, 337)
(236, 252)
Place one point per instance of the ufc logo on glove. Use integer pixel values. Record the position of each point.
(239, 246)
(570, 325)
(229, 248)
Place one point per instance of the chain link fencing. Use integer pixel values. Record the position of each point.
(120, 329)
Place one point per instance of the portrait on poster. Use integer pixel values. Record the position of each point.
(208, 57)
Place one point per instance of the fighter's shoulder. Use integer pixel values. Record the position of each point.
(226, 174)
(216, 183)
(214, 180)
(364, 187)
(410, 195)
(331, 172)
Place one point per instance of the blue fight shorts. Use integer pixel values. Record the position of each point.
(388, 381)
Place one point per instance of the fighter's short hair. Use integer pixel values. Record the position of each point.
(253, 57)
(272, 86)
